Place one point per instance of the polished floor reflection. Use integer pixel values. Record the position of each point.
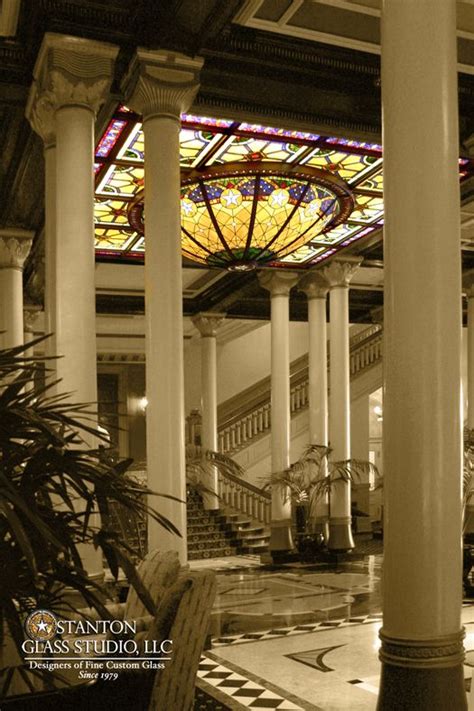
(300, 636)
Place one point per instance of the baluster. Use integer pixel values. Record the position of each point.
(238, 434)
(243, 430)
(266, 417)
(250, 433)
(260, 425)
(304, 393)
(221, 442)
(226, 440)
(292, 401)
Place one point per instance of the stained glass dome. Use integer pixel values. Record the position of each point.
(238, 216)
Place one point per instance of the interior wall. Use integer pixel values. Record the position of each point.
(241, 362)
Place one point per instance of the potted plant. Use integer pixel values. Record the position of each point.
(309, 482)
(52, 483)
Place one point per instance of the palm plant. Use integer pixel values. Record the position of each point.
(311, 479)
(51, 483)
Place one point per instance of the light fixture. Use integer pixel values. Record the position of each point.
(242, 215)
(143, 403)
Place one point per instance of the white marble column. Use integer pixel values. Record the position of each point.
(316, 288)
(279, 284)
(338, 274)
(72, 77)
(160, 85)
(207, 324)
(15, 245)
(72, 80)
(422, 651)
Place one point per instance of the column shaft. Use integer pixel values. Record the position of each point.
(340, 535)
(50, 310)
(75, 267)
(164, 311)
(11, 307)
(421, 636)
(317, 371)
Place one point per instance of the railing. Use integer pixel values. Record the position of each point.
(248, 416)
(245, 498)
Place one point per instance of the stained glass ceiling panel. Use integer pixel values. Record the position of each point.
(206, 141)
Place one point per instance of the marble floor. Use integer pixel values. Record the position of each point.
(300, 636)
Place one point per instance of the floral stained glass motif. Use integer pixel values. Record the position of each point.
(122, 180)
(237, 220)
(113, 239)
(255, 149)
(206, 141)
(346, 165)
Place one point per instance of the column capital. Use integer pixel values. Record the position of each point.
(339, 272)
(69, 71)
(278, 282)
(468, 283)
(161, 83)
(15, 246)
(207, 323)
(314, 285)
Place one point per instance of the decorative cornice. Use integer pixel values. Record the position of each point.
(69, 71)
(278, 282)
(160, 83)
(447, 651)
(15, 246)
(339, 272)
(314, 285)
(208, 323)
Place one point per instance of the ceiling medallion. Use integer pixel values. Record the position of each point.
(239, 216)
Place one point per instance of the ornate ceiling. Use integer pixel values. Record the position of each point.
(317, 90)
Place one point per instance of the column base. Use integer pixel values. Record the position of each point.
(321, 525)
(426, 675)
(340, 535)
(281, 538)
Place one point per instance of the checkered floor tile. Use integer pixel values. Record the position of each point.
(296, 629)
(246, 692)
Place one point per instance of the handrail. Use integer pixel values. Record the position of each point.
(252, 418)
(244, 497)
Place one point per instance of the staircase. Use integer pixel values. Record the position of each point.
(217, 534)
(246, 417)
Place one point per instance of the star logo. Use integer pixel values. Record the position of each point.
(41, 625)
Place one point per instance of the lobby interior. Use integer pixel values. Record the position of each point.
(339, 137)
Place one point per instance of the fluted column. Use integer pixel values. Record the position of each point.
(15, 246)
(160, 85)
(72, 80)
(338, 274)
(207, 324)
(279, 284)
(422, 651)
(316, 288)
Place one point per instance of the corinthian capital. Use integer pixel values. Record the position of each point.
(15, 246)
(161, 83)
(339, 272)
(69, 71)
(278, 282)
(314, 285)
(208, 323)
